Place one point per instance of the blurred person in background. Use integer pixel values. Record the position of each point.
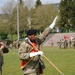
(3, 49)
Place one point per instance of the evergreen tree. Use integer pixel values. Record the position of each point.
(38, 2)
(67, 13)
(20, 1)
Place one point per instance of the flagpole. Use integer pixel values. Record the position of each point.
(18, 35)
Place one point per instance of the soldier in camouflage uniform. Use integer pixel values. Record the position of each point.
(3, 49)
(73, 41)
(59, 44)
(29, 54)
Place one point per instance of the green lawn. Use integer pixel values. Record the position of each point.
(64, 59)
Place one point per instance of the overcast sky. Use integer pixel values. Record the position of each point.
(2, 2)
(50, 1)
(43, 1)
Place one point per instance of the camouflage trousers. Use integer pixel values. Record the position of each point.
(0, 73)
(33, 73)
(0, 70)
(1, 64)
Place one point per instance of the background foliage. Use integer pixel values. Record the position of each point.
(40, 17)
(67, 15)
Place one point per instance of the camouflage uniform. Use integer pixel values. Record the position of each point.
(3, 50)
(59, 44)
(32, 68)
(1, 60)
(65, 44)
(73, 41)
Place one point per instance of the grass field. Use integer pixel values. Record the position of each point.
(64, 59)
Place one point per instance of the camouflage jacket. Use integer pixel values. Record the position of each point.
(24, 52)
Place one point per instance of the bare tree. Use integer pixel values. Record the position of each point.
(29, 4)
(8, 7)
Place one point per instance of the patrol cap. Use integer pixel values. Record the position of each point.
(31, 32)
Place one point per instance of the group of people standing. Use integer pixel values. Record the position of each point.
(66, 43)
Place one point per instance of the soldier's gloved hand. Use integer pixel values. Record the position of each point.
(36, 53)
(53, 23)
(40, 53)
